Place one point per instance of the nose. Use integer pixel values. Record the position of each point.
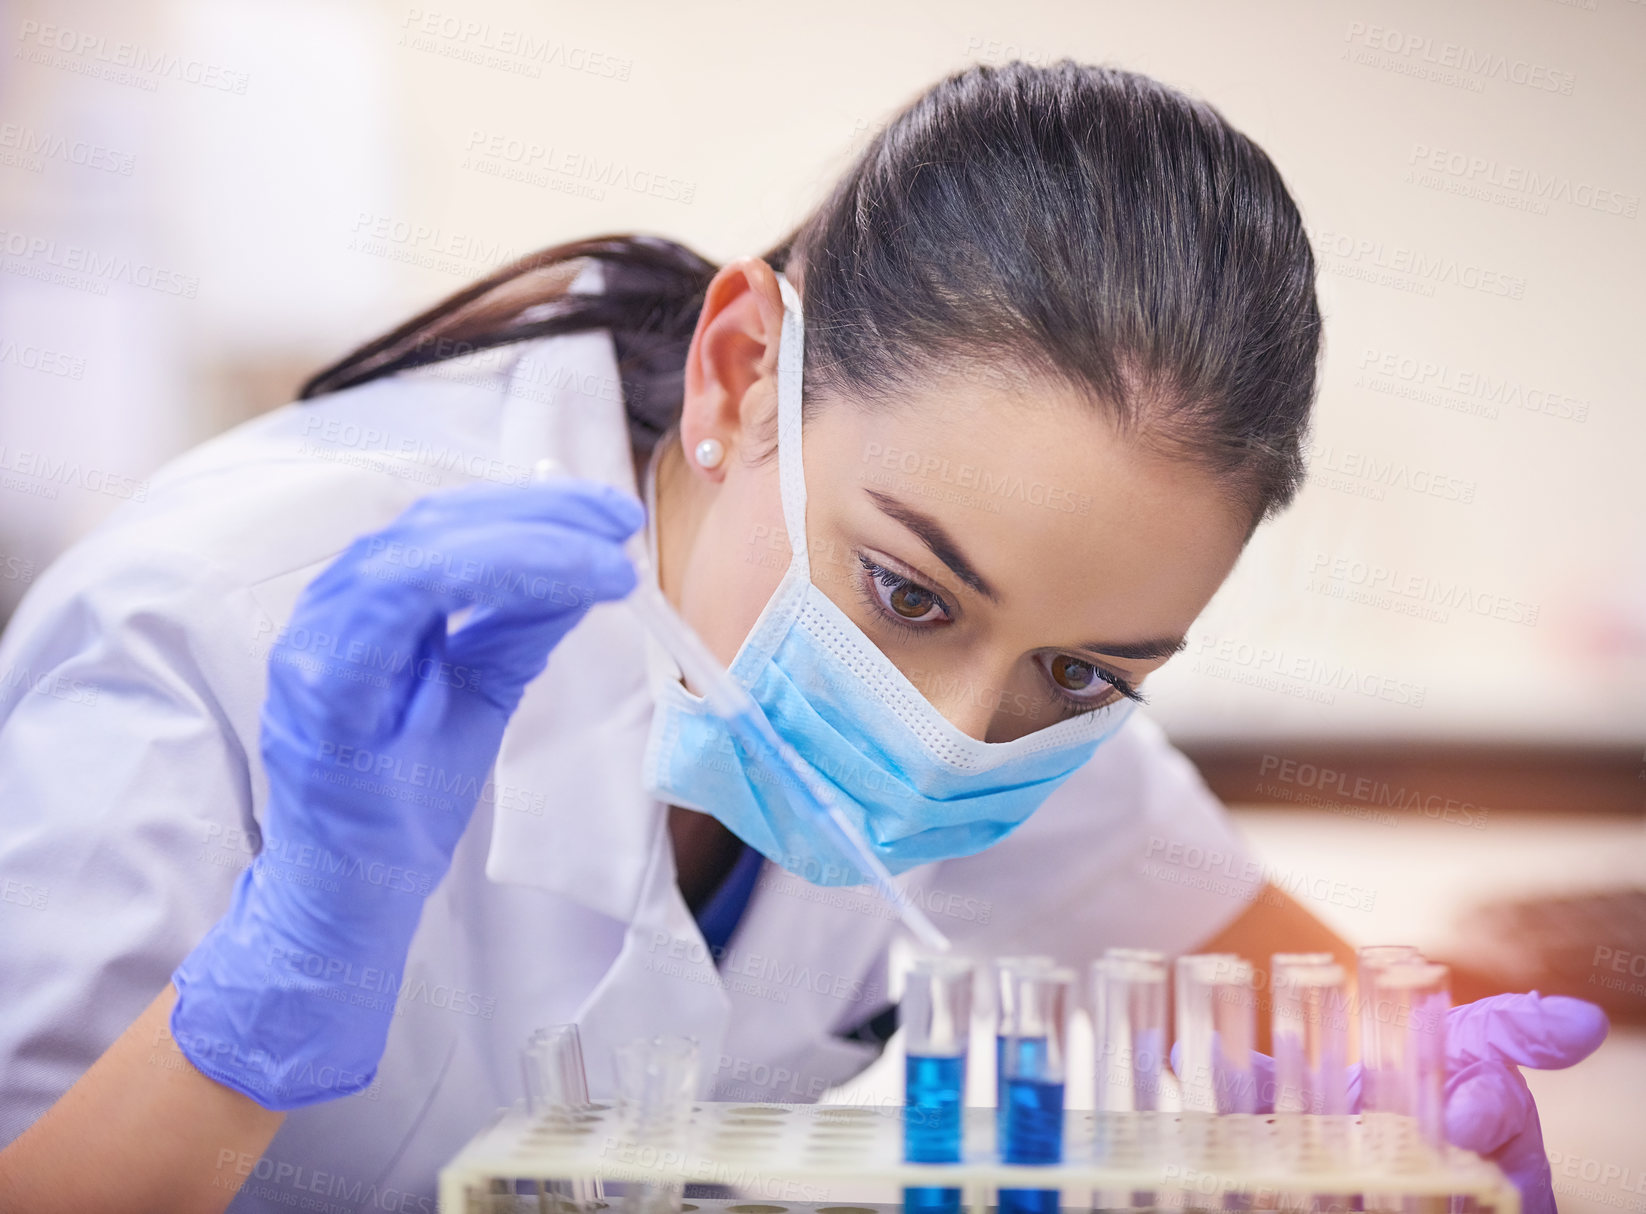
(976, 703)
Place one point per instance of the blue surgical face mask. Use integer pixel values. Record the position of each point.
(916, 786)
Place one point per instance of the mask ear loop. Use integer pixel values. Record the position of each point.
(791, 468)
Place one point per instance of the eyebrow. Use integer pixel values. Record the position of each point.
(1141, 651)
(944, 548)
(933, 535)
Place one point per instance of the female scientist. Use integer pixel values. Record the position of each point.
(333, 788)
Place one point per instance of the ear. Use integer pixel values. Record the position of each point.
(731, 367)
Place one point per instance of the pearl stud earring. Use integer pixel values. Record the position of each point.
(710, 453)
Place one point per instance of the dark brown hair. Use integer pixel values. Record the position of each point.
(1084, 224)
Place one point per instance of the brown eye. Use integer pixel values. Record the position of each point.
(1072, 674)
(910, 601)
(905, 601)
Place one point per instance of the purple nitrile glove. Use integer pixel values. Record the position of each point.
(382, 722)
(1489, 1107)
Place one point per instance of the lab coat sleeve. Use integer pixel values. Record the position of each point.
(125, 800)
(1133, 850)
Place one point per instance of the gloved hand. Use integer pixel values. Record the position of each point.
(1489, 1108)
(378, 734)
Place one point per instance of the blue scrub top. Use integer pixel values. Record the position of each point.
(718, 917)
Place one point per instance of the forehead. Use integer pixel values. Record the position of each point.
(1046, 499)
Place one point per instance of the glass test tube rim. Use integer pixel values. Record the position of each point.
(665, 1068)
(1191, 966)
(1413, 973)
(1424, 978)
(1279, 963)
(1372, 954)
(1313, 975)
(1133, 954)
(1372, 958)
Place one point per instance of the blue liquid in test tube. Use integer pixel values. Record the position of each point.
(932, 1126)
(1034, 1068)
(1007, 971)
(937, 1004)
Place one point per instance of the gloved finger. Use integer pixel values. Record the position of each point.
(591, 506)
(1263, 1082)
(1490, 1110)
(369, 634)
(498, 655)
(548, 571)
(475, 539)
(371, 629)
(1236, 1091)
(1546, 1032)
(1487, 1104)
(390, 595)
(1268, 1087)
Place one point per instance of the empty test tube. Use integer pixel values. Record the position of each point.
(1410, 1001)
(1369, 961)
(656, 1080)
(1310, 1016)
(557, 1086)
(1310, 1011)
(1193, 1045)
(1129, 1037)
(1216, 1031)
(936, 1011)
(552, 1066)
(1035, 1070)
(1128, 1032)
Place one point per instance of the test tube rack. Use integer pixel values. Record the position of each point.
(825, 1158)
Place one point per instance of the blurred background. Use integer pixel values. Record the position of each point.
(1428, 678)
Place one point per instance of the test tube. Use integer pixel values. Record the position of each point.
(1310, 1019)
(1129, 1038)
(1311, 1034)
(1128, 1032)
(1370, 960)
(1216, 1031)
(557, 1086)
(1410, 1000)
(552, 1065)
(1035, 1070)
(656, 1080)
(937, 1017)
(1006, 973)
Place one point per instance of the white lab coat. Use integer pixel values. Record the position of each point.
(131, 793)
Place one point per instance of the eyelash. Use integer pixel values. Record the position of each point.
(893, 581)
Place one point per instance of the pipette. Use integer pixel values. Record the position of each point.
(728, 700)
